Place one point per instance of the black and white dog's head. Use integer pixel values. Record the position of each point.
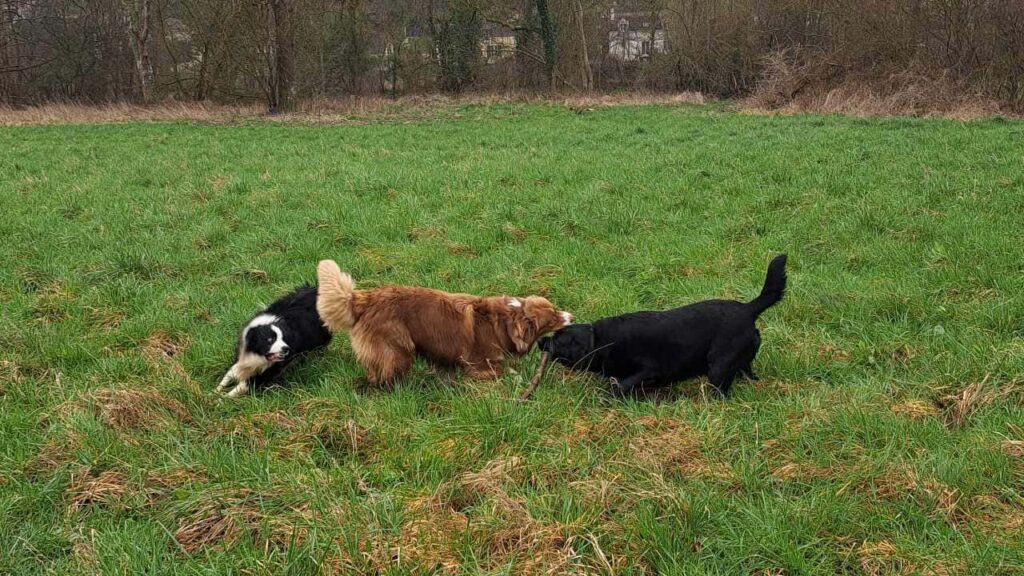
(266, 336)
(572, 346)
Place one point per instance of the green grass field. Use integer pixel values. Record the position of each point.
(885, 437)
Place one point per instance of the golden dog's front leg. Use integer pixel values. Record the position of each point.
(486, 369)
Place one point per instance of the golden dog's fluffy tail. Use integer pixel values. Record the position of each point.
(334, 296)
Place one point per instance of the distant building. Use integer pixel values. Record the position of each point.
(497, 43)
(630, 35)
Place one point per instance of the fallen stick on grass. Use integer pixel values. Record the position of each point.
(525, 394)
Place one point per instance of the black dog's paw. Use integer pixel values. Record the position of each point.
(718, 393)
(615, 388)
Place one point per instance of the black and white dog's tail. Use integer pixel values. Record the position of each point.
(774, 286)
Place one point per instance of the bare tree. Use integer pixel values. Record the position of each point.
(137, 20)
(588, 71)
(9, 64)
(282, 49)
(549, 38)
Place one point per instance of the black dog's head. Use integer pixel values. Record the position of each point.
(571, 346)
(266, 340)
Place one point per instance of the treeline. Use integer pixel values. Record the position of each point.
(280, 51)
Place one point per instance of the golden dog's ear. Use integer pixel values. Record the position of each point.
(520, 327)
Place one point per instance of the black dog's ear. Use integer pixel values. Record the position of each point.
(544, 344)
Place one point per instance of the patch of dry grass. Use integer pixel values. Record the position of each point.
(477, 505)
(321, 111)
(221, 517)
(674, 448)
(68, 113)
(1014, 448)
(959, 407)
(130, 409)
(916, 409)
(105, 489)
(792, 91)
(114, 488)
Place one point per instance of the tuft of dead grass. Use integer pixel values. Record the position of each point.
(1014, 448)
(10, 372)
(255, 430)
(52, 303)
(916, 409)
(880, 557)
(221, 518)
(613, 422)
(507, 533)
(674, 448)
(162, 352)
(959, 407)
(160, 344)
(427, 537)
(129, 409)
(998, 518)
(114, 488)
(106, 489)
(55, 453)
(899, 482)
(104, 319)
(337, 438)
(800, 471)
(421, 232)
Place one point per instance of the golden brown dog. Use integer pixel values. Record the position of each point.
(390, 325)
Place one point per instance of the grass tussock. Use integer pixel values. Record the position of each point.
(104, 489)
(960, 406)
(674, 448)
(129, 410)
(115, 488)
(475, 507)
(221, 518)
(916, 409)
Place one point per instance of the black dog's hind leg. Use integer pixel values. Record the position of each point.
(721, 373)
(748, 372)
(747, 368)
(726, 360)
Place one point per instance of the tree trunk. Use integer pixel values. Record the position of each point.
(548, 37)
(8, 53)
(139, 32)
(282, 90)
(655, 12)
(588, 72)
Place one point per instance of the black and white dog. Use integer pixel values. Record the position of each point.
(653, 349)
(270, 341)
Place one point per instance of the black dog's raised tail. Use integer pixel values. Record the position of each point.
(774, 286)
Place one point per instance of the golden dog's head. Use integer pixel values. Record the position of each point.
(532, 317)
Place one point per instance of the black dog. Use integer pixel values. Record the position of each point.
(652, 349)
(270, 341)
